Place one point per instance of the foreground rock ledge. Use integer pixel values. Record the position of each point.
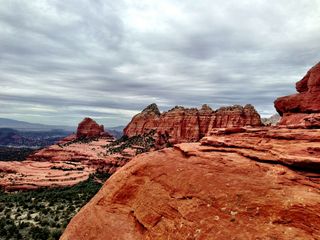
(217, 189)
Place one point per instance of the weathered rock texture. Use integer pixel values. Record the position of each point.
(89, 128)
(56, 166)
(190, 124)
(302, 109)
(235, 184)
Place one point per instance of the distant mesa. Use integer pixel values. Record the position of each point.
(88, 128)
(302, 109)
(190, 124)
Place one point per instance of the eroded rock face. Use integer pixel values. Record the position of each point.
(236, 116)
(143, 122)
(89, 128)
(237, 183)
(302, 109)
(190, 124)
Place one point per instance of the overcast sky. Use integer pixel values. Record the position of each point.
(63, 60)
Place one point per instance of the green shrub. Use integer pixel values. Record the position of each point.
(39, 233)
(47, 226)
(55, 234)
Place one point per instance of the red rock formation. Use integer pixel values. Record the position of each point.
(239, 183)
(205, 119)
(236, 116)
(190, 125)
(67, 139)
(90, 128)
(181, 124)
(303, 108)
(58, 165)
(143, 122)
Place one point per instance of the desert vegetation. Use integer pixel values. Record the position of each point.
(80, 140)
(44, 213)
(142, 143)
(14, 154)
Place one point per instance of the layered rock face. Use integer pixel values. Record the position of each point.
(236, 116)
(89, 128)
(190, 125)
(302, 109)
(143, 122)
(56, 166)
(238, 183)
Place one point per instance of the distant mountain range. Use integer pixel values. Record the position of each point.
(117, 132)
(26, 126)
(24, 134)
(30, 139)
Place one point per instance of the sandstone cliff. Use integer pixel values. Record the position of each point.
(190, 124)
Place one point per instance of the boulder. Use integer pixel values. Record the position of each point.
(300, 109)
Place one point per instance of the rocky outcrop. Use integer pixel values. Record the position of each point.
(236, 116)
(257, 183)
(205, 119)
(302, 109)
(30, 175)
(59, 165)
(89, 128)
(190, 124)
(143, 122)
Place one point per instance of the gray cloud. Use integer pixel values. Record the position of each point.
(63, 60)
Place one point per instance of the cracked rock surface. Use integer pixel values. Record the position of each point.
(236, 184)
